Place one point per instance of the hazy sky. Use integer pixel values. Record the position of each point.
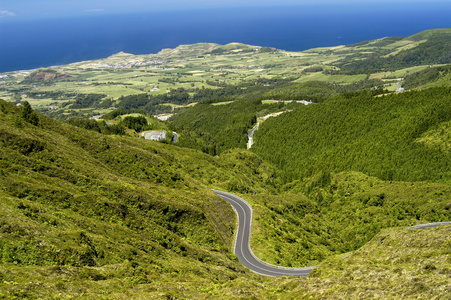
(31, 9)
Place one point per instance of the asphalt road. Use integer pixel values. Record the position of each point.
(421, 226)
(242, 243)
(251, 132)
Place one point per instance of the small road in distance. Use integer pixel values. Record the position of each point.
(242, 247)
(421, 226)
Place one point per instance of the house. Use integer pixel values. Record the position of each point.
(154, 135)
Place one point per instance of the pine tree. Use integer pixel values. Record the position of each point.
(28, 115)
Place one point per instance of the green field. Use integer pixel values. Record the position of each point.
(198, 66)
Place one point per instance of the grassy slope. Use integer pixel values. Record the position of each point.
(341, 215)
(78, 206)
(397, 263)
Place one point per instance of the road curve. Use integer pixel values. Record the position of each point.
(421, 226)
(242, 243)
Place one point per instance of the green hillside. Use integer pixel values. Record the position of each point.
(430, 77)
(87, 215)
(328, 215)
(396, 264)
(382, 136)
(103, 213)
(433, 48)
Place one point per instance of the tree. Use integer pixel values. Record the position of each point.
(28, 114)
(169, 137)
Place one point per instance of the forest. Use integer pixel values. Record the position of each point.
(389, 136)
(215, 128)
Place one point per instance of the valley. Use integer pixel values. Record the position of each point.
(91, 209)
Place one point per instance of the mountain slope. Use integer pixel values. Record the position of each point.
(434, 47)
(379, 136)
(93, 211)
(86, 215)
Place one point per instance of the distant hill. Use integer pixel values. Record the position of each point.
(434, 48)
(44, 75)
(208, 71)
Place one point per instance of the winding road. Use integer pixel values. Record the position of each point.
(242, 243)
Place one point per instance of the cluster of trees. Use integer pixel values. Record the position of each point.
(429, 75)
(313, 69)
(215, 128)
(142, 101)
(28, 115)
(319, 91)
(98, 126)
(120, 112)
(138, 122)
(80, 100)
(378, 136)
(55, 95)
(87, 100)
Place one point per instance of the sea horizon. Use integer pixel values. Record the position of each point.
(32, 44)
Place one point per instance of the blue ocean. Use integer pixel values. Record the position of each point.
(41, 43)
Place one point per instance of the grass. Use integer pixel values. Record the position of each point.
(402, 73)
(410, 264)
(438, 137)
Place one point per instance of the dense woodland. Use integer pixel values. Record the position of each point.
(215, 128)
(388, 136)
